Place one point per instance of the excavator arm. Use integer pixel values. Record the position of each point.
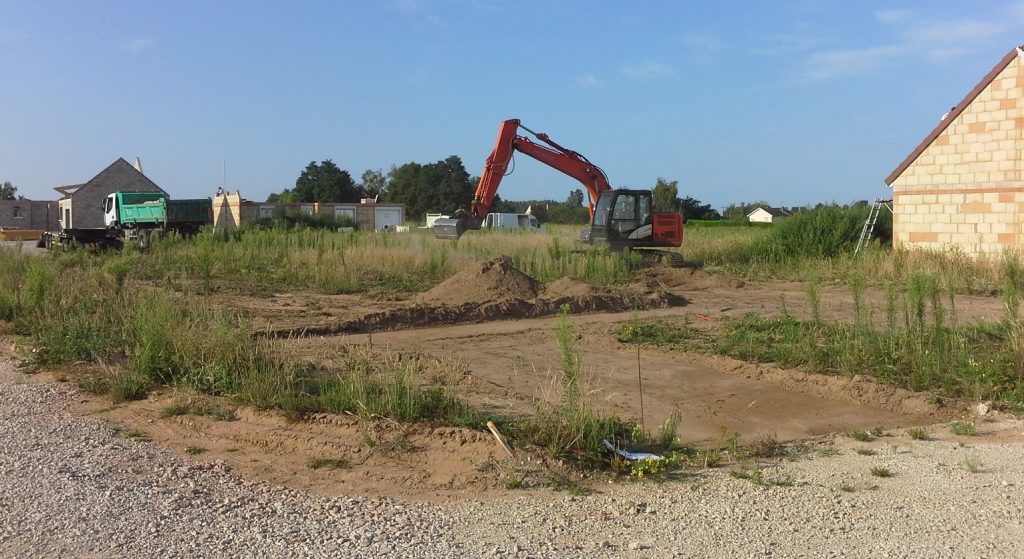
(509, 141)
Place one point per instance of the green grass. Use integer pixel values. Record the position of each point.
(195, 450)
(964, 428)
(918, 433)
(865, 451)
(862, 436)
(879, 471)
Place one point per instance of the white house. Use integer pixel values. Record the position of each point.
(768, 215)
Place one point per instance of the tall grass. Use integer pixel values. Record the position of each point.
(918, 347)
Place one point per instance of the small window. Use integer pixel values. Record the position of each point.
(17, 212)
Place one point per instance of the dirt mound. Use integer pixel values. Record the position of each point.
(686, 278)
(571, 287)
(493, 280)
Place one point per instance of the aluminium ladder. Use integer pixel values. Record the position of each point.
(869, 224)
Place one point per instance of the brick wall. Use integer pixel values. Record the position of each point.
(966, 189)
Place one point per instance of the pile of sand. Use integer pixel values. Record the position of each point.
(572, 287)
(483, 282)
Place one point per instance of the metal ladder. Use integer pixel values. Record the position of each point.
(869, 224)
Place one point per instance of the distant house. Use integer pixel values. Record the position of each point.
(28, 215)
(230, 211)
(963, 185)
(768, 215)
(82, 204)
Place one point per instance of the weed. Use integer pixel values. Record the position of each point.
(918, 433)
(749, 472)
(652, 467)
(513, 481)
(829, 451)
(847, 488)
(972, 464)
(667, 431)
(877, 432)
(767, 447)
(865, 451)
(194, 450)
(126, 386)
(859, 435)
(784, 481)
(879, 471)
(328, 463)
(709, 458)
(559, 482)
(963, 428)
(93, 384)
(654, 333)
(136, 435)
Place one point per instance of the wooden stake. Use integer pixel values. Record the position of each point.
(500, 438)
(640, 378)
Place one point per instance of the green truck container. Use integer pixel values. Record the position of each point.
(153, 208)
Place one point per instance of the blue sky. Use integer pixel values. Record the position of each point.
(792, 102)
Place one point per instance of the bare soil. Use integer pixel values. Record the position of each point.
(499, 324)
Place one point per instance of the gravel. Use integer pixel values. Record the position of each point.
(74, 486)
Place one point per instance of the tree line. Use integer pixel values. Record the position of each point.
(445, 186)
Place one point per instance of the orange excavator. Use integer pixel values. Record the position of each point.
(619, 218)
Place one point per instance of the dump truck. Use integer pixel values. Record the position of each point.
(138, 217)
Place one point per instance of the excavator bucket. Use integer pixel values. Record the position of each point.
(450, 228)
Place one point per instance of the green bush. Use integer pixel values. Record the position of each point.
(825, 232)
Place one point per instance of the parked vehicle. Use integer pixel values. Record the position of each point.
(511, 221)
(138, 217)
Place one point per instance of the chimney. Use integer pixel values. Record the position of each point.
(138, 165)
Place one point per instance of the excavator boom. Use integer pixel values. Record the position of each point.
(620, 219)
(509, 141)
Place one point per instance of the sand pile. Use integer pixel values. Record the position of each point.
(494, 280)
(572, 287)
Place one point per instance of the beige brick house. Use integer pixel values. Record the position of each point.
(963, 186)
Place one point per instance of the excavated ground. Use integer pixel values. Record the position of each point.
(498, 325)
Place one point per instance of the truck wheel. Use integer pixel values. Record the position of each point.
(144, 240)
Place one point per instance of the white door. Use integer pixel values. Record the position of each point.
(387, 218)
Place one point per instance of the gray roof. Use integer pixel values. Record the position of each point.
(119, 176)
(775, 212)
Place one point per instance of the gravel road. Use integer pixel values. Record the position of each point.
(73, 486)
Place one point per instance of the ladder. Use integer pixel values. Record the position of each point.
(869, 224)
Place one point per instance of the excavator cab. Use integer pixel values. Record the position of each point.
(624, 219)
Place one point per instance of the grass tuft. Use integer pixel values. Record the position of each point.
(964, 428)
(879, 471)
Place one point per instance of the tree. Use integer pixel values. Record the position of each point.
(575, 199)
(665, 195)
(8, 191)
(739, 210)
(444, 186)
(326, 182)
(374, 183)
(691, 208)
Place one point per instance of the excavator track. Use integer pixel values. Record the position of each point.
(654, 257)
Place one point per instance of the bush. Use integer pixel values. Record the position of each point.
(825, 232)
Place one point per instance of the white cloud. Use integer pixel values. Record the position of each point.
(915, 36)
(588, 81)
(830, 64)
(137, 44)
(647, 70)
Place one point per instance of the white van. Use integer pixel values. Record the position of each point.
(511, 221)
